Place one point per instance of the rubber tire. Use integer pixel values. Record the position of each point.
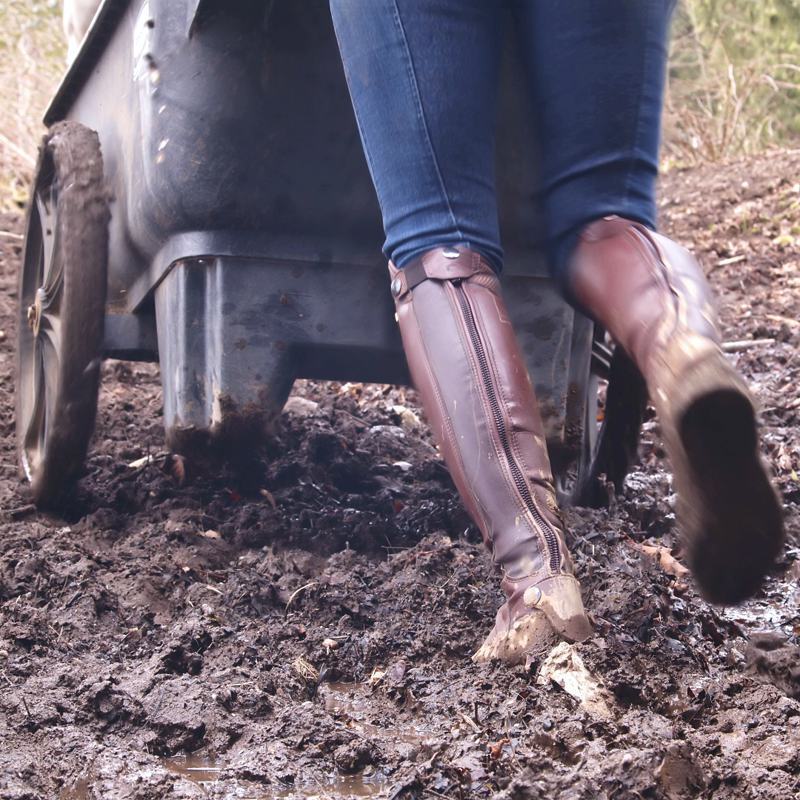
(70, 157)
(608, 457)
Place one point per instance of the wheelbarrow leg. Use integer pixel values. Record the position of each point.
(221, 393)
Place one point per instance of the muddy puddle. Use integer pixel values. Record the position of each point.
(206, 773)
(778, 613)
(343, 700)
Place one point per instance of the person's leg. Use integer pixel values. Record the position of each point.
(423, 77)
(597, 75)
(596, 72)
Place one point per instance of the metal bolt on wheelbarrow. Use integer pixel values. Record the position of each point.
(202, 200)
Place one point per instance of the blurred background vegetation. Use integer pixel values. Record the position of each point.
(32, 61)
(734, 79)
(733, 89)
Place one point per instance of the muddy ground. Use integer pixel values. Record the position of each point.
(305, 630)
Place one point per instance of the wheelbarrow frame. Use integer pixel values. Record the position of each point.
(245, 237)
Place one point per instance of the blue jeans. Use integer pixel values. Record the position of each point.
(423, 76)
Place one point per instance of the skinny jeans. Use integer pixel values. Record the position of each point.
(423, 77)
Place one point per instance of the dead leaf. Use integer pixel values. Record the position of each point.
(175, 466)
(564, 667)
(377, 676)
(663, 557)
(306, 670)
(496, 748)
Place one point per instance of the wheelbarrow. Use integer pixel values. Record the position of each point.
(201, 200)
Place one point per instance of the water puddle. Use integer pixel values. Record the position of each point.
(343, 702)
(340, 700)
(198, 770)
(777, 613)
(205, 772)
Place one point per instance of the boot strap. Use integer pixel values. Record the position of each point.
(442, 264)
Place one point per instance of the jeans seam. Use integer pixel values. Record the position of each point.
(412, 77)
(638, 124)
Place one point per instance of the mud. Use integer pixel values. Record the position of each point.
(304, 628)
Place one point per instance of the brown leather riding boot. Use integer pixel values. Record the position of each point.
(652, 297)
(467, 366)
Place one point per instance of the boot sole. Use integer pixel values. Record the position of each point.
(733, 516)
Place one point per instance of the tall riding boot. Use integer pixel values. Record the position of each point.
(466, 364)
(652, 297)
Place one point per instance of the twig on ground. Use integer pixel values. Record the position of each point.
(471, 722)
(732, 260)
(782, 320)
(22, 511)
(745, 344)
(296, 592)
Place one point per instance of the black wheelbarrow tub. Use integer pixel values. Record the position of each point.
(245, 238)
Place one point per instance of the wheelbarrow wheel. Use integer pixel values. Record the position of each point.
(62, 295)
(611, 427)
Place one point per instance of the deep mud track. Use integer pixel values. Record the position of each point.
(303, 628)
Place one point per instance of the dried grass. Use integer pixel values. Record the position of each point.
(32, 62)
(728, 106)
(734, 82)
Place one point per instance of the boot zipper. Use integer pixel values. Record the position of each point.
(550, 537)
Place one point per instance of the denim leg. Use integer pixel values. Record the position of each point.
(596, 71)
(423, 79)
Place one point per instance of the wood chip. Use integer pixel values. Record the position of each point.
(471, 722)
(22, 511)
